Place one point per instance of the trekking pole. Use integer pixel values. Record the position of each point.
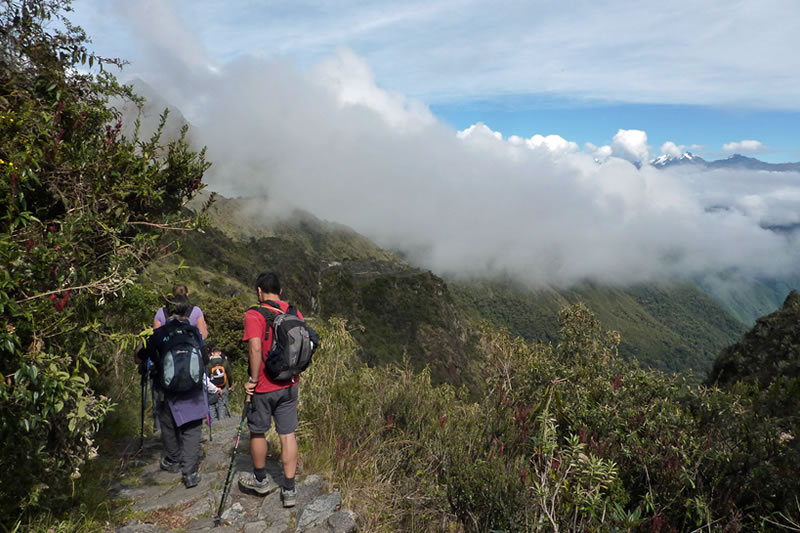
(145, 378)
(208, 410)
(227, 487)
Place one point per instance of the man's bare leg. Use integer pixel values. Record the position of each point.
(289, 455)
(258, 449)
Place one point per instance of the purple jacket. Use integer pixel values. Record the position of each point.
(187, 406)
(193, 318)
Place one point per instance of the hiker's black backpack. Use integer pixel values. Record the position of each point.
(181, 367)
(293, 341)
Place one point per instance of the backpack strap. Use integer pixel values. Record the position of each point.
(269, 313)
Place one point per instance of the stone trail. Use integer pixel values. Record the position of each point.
(159, 502)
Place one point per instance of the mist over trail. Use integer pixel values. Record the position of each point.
(472, 203)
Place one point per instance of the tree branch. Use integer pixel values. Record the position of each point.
(159, 226)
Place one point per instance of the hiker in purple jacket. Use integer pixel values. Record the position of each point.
(181, 414)
(196, 318)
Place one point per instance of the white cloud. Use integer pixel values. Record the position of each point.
(746, 145)
(479, 130)
(354, 83)
(599, 153)
(553, 143)
(675, 150)
(471, 203)
(671, 149)
(631, 145)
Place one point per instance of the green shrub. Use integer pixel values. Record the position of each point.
(562, 438)
(85, 208)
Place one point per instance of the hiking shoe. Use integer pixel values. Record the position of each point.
(248, 481)
(172, 467)
(191, 480)
(288, 497)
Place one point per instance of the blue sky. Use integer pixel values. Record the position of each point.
(700, 74)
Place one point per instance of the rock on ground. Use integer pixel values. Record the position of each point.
(162, 503)
(318, 511)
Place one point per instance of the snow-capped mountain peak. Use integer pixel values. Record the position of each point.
(668, 160)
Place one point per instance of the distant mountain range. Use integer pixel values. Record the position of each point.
(736, 161)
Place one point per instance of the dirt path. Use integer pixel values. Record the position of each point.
(158, 501)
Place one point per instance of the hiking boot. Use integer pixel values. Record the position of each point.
(172, 467)
(191, 480)
(288, 497)
(248, 481)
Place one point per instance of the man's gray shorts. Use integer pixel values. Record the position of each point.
(280, 404)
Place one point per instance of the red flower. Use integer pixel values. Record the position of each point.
(63, 301)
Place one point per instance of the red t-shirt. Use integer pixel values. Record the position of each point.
(256, 326)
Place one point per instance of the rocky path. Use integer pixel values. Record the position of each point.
(158, 501)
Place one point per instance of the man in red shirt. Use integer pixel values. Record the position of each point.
(269, 399)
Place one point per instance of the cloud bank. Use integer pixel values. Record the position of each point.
(474, 203)
(750, 146)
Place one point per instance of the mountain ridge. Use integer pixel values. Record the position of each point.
(735, 161)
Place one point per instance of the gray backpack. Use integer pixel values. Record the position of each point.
(293, 341)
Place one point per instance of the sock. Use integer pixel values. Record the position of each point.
(260, 473)
(288, 483)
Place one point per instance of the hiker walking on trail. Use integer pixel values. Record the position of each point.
(196, 318)
(219, 372)
(178, 355)
(273, 383)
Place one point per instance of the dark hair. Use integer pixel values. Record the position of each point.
(180, 306)
(269, 282)
(180, 290)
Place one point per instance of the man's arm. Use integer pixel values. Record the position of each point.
(254, 344)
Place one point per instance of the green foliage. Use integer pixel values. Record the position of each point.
(225, 319)
(85, 208)
(569, 438)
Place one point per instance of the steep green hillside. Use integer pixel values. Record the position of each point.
(769, 351)
(400, 312)
(747, 299)
(673, 328)
(243, 219)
